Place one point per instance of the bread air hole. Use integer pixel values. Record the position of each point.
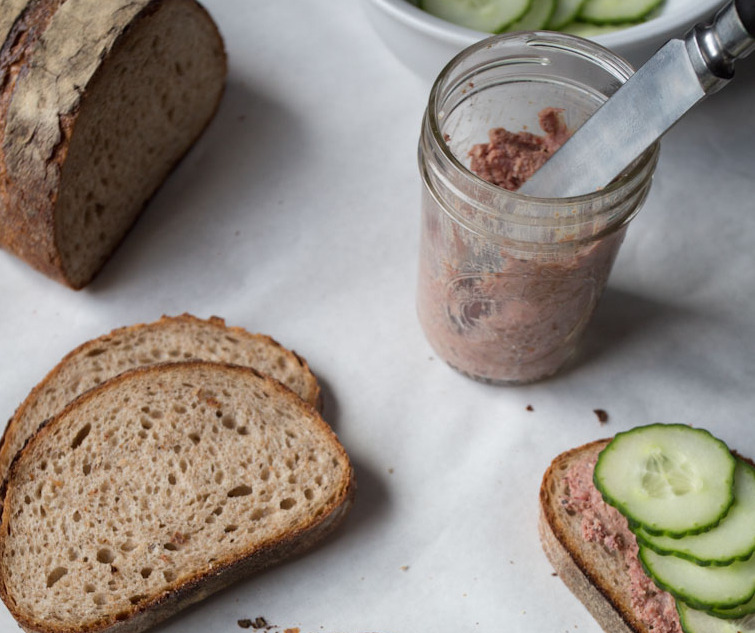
(105, 555)
(81, 435)
(229, 422)
(55, 575)
(287, 503)
(240, 491)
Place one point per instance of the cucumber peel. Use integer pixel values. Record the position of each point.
(704, 588)
(695, 621)
(670, 479)
(732, 613)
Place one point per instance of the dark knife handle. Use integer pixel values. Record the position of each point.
(746, 12)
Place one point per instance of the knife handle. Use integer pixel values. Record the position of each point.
(746, 12)
(713, 48)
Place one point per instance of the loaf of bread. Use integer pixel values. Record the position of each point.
(98, 103)
(158, 487)
(168, 339)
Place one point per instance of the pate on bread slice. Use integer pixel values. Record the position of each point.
(159, 487)
(653, 530)
(593, 551)
(170, 338)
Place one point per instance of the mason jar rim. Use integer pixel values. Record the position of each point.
(540, 41)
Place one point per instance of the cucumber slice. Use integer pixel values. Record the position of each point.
(585, 29)
(740, 611)
(536, 17)
(669, 478)
(694, 621)
(566, 11)
(615, 11)
(732, 539)
(491, 16)
(701, 587)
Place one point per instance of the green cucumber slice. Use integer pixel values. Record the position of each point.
(615, 11)
(694, 621)
(739, 611)
(671, 479)
(585, 29)
(566, 11)
(491, 16)
(536, 17)
(705, 588)
(732, 539)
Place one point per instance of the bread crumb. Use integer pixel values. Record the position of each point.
(602, 415)
(258, 623)
(404, 567)
(530, 407)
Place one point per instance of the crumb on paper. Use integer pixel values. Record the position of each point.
(530, 407)
(404, 567)
(258, 623)
(602, 415)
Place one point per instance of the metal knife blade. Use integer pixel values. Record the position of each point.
(673, 80)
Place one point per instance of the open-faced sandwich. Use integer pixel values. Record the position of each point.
(654, 531)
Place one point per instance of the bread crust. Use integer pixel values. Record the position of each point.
(19, 427)
(39, 114)
(226, 570)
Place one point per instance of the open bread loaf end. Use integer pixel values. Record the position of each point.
(159, 487)
(137, 83)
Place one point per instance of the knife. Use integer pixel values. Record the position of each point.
(680, 74)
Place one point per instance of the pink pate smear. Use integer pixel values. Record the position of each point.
(603, 524)
(510, 158)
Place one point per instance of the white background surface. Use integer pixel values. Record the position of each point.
(297, 215)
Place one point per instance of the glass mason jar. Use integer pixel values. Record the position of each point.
(508, 282)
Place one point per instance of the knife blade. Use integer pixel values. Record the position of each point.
(646, 106)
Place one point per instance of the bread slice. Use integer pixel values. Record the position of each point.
(170, 338)
(597, 574)
(159, 487)
(98, 102)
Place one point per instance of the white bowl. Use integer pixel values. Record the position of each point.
(425, 43)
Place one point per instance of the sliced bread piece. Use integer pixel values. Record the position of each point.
(157, 488)
(168, 339)
(597, 574)
(98, 102)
